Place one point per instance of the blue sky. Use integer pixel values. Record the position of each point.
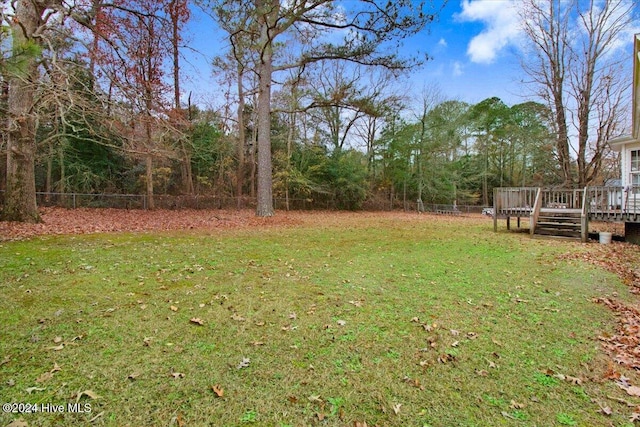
(474, 46)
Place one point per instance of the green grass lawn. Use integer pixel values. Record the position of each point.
(412, 322)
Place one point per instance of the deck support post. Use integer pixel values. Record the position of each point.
(495, 210)
(508, 223)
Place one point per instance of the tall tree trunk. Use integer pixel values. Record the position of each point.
(148, 161)
(187, 171)
(149, 156)
(265, 179)
(20, 196)
(562, 139)
(241, 138)
(254, 144)
(187, 174)
(48, 179)
(290, 135)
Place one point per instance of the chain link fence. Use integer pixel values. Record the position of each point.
(140, 201)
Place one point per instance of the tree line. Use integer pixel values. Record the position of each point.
(92, 102)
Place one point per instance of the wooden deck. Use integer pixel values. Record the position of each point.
(566, 208)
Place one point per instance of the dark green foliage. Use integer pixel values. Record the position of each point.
(346, 176)
(210, 153)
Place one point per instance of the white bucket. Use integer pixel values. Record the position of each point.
(605, 238)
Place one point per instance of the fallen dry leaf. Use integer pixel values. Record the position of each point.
(631, 390)
(32, 389)
(516, 405)
(6, 360)
(197, 321)
(18, 423)
(173, 308)
(177, 375)
(180, 420)
(57, 340)
(445, 358)
(89, 393)
(396, 408)
(606, 410)
(44, 377)
(244, 363)
(219, 391)
(57, 347)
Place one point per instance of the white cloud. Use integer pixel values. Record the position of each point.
(458, 69)
(502, 27)
(442, 42)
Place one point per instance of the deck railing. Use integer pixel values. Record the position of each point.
(535, 212)
(584, 216)
(614, 200)
(562, 198)
(514, 199)
(608, 203)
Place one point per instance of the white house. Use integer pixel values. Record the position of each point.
(629, 148)
(629, 145)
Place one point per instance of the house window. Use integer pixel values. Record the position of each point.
(635, 187)
(635, 173)
(635, 161)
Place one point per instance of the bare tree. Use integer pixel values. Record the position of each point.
(572, 65)
(596, 82)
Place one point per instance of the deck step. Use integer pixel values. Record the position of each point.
(573, 233)
(557, 220)
(559, 226)
(564, 223)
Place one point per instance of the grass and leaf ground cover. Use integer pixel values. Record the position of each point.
(331, 320)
